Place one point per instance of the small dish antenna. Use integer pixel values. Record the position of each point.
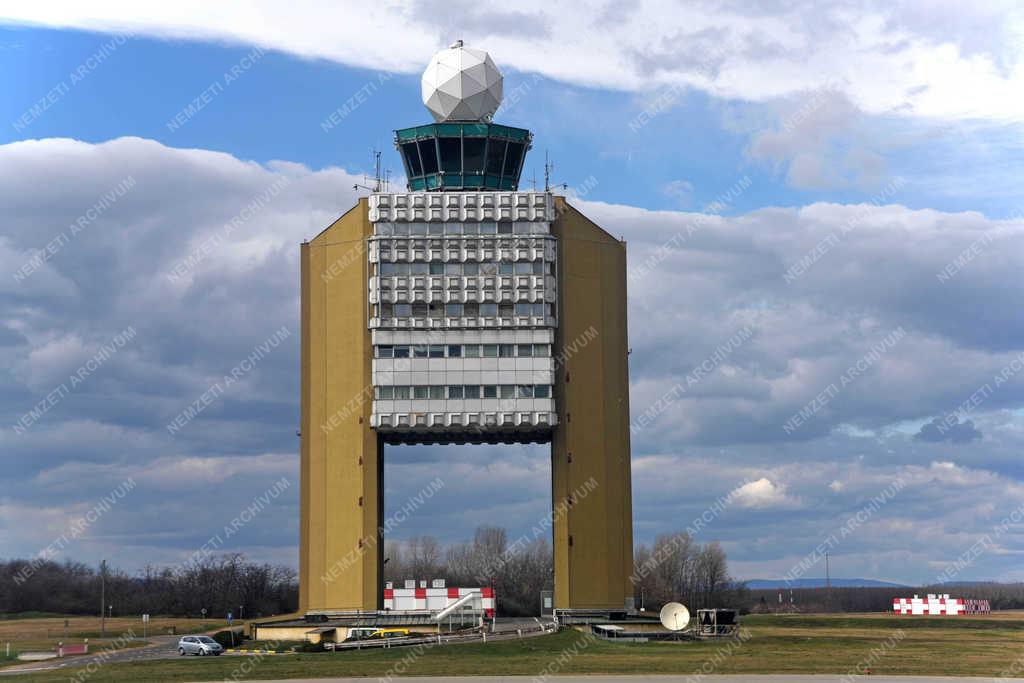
(675, 616)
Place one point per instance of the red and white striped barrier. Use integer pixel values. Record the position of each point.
(939, 605)
(436, 599)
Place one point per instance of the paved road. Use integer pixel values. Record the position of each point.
(655, 679)
(160, 647)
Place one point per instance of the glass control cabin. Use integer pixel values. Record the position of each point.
(463, 156)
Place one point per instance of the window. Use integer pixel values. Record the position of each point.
(412, 159)
(428, 156)
(488, 229)
(524, 309)
(538, 309)
(542, 391)
(419, 392)
(385, 351)
(524, 391)
(505, 310)
(471, 309)
(401, 351)
(436, 351)
(506, 350)
(437, 269)
(386, 311)
(451, 154)
(435, 308)
(455, 391)
(490, 350)
(473, 154)
(420, 351)
(471, 350)
(453, 228)
(419, 268)
(471, 268)
(436, 392)
(385, 393)
(453, 269)
(454, 351)
(453, 310)
(513, 158)
(525, 350)
(435, 229)
(490, 391)
(508, 391)
(470, 229)
(471, 391)
(486, 310)
(504, 228)
(524, 267)
(541, 350)
(495, 157)
(394, 269)
(538, 267)
(401, 393)
(505, 268)
(403, 310)
(401, 228)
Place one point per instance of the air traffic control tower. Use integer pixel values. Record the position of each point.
(463, 311)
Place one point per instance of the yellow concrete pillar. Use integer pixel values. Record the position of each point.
(590, 450)
(341, 553)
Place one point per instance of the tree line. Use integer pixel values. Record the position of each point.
(1001, 596)
(219, 584)
(673, 568)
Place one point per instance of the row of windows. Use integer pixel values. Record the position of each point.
(463, 350)
(435, 268)
(463, 391)
(475, 156)
(483, 228)
(469, 309)
(399, 243)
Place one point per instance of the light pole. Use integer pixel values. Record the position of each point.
(103, 598)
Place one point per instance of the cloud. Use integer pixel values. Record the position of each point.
(907, 59)
(763, 493)
(679, 191)
(691, 289)
(938, 430)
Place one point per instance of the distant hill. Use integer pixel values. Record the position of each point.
(772, 584)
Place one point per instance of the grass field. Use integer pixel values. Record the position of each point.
(41, 631)
(981, 646)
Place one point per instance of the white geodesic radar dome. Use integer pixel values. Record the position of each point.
(461, 84)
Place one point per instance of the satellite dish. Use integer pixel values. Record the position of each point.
(674, 616)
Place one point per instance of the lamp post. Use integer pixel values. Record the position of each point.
(103, 598)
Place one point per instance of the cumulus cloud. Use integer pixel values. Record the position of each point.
(906, 58)
(763, 493)
(696, 281)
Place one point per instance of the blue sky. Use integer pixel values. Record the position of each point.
(879, 146)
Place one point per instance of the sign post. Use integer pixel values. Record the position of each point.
(145, 623)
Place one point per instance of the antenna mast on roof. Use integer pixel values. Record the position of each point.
(548, 167)
(380, 180)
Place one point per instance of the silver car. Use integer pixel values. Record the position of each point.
(199, 645)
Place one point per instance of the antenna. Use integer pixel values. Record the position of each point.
(380, 182)
(674, 616)
(548, 167)
(547, 172)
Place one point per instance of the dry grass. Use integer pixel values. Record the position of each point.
(777, 644)
(40, 632)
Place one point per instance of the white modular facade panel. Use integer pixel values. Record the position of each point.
(463, 294)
